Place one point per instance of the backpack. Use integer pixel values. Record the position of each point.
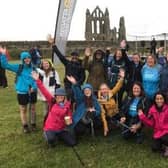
(18, 73)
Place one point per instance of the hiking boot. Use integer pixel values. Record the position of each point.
(26, 129)
(165, 154)
(33, 127)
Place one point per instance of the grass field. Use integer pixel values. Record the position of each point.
(18, 150)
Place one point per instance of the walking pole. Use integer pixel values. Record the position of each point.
(92, 128)
(78, 156)
(30, 113)
(123, 125)
(117, 122)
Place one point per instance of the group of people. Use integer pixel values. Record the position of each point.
(119, 91)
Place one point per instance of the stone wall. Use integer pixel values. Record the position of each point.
(15, 47)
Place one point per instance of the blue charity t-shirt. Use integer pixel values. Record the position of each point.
(133, 108)
(151, 77)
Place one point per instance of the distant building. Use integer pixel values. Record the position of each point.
(98, 27)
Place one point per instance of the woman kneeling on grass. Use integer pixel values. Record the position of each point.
(158, 119)
(86, 115)
(58, 117)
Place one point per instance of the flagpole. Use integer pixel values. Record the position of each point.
(56, 25)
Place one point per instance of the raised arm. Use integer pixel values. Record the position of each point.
(41, 87)
(4, 61)
(119, 84)
(60, 56)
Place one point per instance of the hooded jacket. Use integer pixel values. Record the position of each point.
(80, 104)
(24, 80)
(109, 108)
(157, 120)
(97, 70)
(71, 68)
(55, 119)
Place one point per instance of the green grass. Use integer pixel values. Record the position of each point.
(18, 150)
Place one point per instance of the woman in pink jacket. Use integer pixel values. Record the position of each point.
(58, 117)
(157, 118)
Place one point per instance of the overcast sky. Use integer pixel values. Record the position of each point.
(34, 19)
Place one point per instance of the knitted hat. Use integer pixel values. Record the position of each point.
(74, 53)
(60, 92)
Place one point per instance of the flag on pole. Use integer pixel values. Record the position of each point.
(63, 23)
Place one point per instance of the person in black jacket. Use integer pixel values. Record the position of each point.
(73, 67)
(129, 112)
(164, 79)
(120, 61)
(134, 71)
(153, 44)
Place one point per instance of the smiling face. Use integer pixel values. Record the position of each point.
(159, 100)
(27, 61)
(150, 61)
(87, 92)
(104, 89)
(59, 99)
(45, 65)
(136, 58)
(74, 58)
(118, 54)
(136, 90)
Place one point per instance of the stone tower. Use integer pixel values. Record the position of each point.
(97, 26)
(122, 30)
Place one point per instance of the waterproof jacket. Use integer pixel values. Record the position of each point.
(164, 79)
(51, 81)
(72, 68)
(97, 69)
(55, 119)
(80, 105)
(24, 80)
(157, 120)
(143, 104)
(134, 73)
(114, 67)
(109, 107)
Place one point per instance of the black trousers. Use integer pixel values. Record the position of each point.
(52, 137)
(3, 78)
(83, 129)
(159, 142)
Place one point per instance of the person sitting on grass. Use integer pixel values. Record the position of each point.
(59, 116)
(129, 112)
(87, 112)
(109, 107)
(157, 118)
(25, 86)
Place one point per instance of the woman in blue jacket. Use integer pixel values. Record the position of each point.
(151, 76)
(25, 86)
(87, 108)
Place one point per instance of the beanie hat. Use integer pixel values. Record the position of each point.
(60, 92)
(24, 55)
(74, 53)
(87, 85)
